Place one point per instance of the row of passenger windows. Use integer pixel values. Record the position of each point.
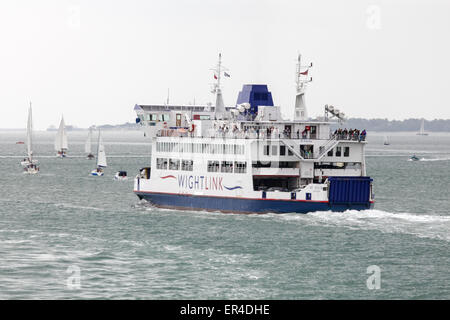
(227, 166)
(188, 147)
(213, 166)
(155, 117)
(273, 150)
(174, 164)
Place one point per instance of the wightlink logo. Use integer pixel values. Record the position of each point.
(200, 182)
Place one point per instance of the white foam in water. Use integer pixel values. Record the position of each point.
(433, 159)
(436, 159)
(421, 225)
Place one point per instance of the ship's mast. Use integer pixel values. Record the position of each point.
(301, 81)
(219, 110)
(218, 70)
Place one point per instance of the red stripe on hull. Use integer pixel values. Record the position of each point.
(212, 196)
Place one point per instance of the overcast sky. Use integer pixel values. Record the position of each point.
(94, 60)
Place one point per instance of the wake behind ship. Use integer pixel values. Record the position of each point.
(247, 159)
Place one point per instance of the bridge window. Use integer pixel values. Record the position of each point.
(346, 151)
(227, 166)
(266, 150)
(187, 165)
(338, 151)
(213, 166)
(174, 164)
(161, 163)
(240, 167)
(164, 117)
(154, 117)
(330, 153)
(282, 150)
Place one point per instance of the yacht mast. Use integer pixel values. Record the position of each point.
(29, 134)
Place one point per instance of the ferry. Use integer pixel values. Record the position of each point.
(246, 158)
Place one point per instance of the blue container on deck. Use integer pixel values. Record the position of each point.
(349, 190)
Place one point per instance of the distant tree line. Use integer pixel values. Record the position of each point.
(124, 126)
(396, 125)
(437, 125)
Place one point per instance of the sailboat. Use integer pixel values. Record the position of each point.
(61, 140)
(101, 157)
(386, 141)
(31, 166)
(87, 146)
(422, 129)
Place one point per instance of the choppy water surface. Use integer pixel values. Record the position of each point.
(62, 221)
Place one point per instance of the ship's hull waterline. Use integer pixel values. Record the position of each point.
(244, 205)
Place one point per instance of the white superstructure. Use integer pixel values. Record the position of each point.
(230, 160)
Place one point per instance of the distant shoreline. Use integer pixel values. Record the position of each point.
(375, 125)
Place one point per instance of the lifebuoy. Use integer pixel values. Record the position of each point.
(165, 125)
(191, 127)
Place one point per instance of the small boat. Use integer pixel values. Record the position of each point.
(87, 146)
(414, 158)
(30, 164)
(386, 141)
(26, 161)
(61, 145)
(101, 158)
(31, 169)
(120, 175)
(422, 129)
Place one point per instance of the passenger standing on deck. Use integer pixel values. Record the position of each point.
(363, 135)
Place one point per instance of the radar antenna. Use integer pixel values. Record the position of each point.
(334, 112)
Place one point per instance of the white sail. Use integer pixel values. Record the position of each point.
(29, 134)
(422, 129)
(87, 146)
(61, 137)
(101, 155)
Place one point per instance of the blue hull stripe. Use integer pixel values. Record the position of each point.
(237, 205)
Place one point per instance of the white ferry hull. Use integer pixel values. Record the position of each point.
(175, 192)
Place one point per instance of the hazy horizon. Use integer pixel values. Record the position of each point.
(93, 61)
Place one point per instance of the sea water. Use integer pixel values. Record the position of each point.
(67, 235)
